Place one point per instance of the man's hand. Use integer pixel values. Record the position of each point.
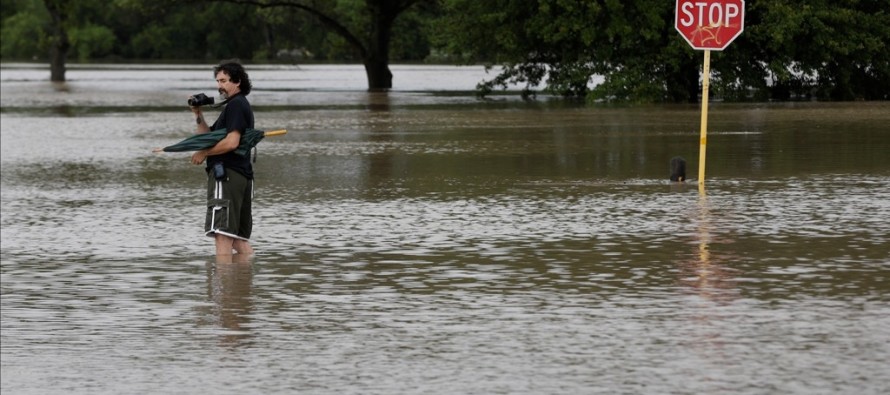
(198, 157)
(199, 119)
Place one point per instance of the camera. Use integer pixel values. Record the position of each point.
(200, 100)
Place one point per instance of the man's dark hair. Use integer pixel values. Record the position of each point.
(236, 73)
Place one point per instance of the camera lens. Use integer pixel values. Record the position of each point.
(200, 100)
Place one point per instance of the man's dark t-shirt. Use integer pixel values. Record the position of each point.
(236, 115)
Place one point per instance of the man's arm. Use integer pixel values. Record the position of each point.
(227, 144)
(202, 126)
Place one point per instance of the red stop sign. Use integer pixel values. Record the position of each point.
(710, 24)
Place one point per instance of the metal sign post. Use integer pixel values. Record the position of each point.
(703, 141)
(708, 25)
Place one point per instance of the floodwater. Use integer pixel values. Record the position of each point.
(428, 242)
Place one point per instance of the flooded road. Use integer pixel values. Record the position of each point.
(426, 241)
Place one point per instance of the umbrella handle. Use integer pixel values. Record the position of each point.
(278, 132)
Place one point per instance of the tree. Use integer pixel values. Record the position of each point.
(58, 37)
(367, 28)
(634, 47)
(23, 26)
(630, 45)
(187, 30)
(844, 58)
(56, 27)
(563, 44)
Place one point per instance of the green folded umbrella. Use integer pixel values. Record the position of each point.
(249, 139)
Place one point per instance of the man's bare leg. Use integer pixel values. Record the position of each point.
(224, 245)
(243, 247)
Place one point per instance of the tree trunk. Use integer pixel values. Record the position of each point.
(373, 49)
(379, 76)
(57, 53)
(59, 44)
(383, 15)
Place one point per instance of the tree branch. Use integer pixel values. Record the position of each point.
(323, 18)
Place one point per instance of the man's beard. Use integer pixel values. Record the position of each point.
(222, 94)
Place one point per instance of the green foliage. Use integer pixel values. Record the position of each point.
(152, 43)
(20, 32)
(23, 29)
(411, 31)
(91, 41)
(790, 49)
(563, 43)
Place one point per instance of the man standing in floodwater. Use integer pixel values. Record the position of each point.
(229, 175)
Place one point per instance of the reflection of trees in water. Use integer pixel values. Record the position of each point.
(229, 287)
(379, 166)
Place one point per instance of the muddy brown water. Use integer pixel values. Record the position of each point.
(426, 241)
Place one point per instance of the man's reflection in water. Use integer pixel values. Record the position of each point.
(229, 283)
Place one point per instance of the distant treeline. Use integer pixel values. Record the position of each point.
(194, 31)
(790, 49)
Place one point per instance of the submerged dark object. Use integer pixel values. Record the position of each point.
(678, 169)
